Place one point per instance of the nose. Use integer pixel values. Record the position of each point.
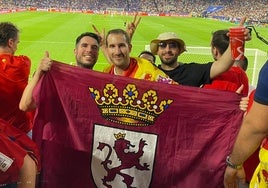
(168, 47)
(89, 48)
(117, 50)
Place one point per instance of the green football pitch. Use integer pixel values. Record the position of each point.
(56, 32)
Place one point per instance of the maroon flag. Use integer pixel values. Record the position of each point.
(101, 130)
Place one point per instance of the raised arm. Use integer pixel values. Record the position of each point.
(27, 102)
(225, 61)
(130, 29)
(132, 26)
(102, 42)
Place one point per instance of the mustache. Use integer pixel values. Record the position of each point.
(119, 55)
(168, 53)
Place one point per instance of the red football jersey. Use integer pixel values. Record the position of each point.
(14, 73)
(230, 80)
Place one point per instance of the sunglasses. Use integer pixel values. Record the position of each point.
(170, 44)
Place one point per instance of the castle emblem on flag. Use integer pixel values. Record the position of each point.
(129, 107)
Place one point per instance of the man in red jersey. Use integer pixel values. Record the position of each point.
(232, 79)
(18, 153)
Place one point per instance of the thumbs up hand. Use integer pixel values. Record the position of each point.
(45, 63)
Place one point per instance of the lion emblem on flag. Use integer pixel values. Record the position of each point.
(122, 162)
(128, 159)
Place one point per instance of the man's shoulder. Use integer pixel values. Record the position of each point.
(15, 65)
(143, 62)
(139, 60)
(150, 71)
(9, 58)
(265, 67)
(261, 95)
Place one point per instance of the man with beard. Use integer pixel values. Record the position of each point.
(118, 48)
(87, 50)
(86, 54)
(168, 46)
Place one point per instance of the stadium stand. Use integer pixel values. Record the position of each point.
(257, 10)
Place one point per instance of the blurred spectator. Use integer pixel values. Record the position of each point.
(148, 55)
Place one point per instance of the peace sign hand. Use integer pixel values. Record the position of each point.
(131, 27)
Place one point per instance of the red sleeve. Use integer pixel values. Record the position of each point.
(14, 73)
(230, 80)
(15, 68)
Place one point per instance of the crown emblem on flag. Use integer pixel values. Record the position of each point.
(120, 136)
(129, 107)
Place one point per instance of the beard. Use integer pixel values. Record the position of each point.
(84, 65)
(168, 62)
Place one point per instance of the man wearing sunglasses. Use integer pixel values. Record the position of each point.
(168, 46)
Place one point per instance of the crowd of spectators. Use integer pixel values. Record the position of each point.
(256, 11)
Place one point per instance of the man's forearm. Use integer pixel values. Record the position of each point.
(248, 140)
(27, 102)
(223, 64)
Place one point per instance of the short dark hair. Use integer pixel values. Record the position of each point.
(220, 40)
(118, 31)
(7, 31)
(89, 34)
(149, 53)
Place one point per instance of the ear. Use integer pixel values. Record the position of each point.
(130, 47)
(215, 53)
(10, 43)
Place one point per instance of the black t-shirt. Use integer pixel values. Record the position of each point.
(192, 74)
